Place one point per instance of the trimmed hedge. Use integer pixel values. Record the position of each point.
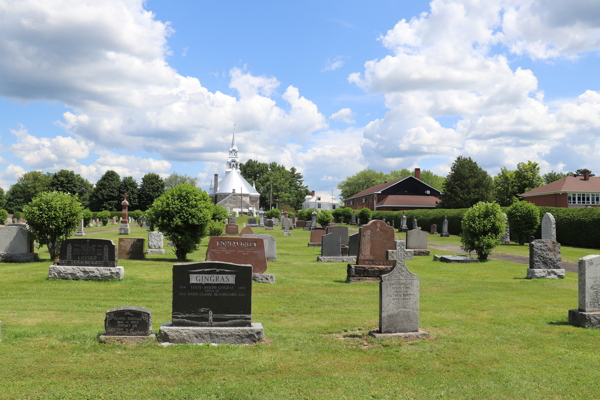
(425, 218)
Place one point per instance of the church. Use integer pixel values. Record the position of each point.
(233, 192)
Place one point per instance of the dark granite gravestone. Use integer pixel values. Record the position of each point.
(88, 252)
(246, 231)
(341, 231)
(330, 245)
(251, 221)
(376, 238)
(238, 250)
(131, 249)
(269, 224)
(353, 244)
(315, 238)
(212, 294)
(128, 321)
(231, 229)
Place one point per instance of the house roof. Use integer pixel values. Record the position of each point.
(408, 201)
(567, 184)
(382, 186)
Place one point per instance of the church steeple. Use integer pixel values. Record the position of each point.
(233, 162)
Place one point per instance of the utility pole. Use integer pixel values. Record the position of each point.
(241, 200)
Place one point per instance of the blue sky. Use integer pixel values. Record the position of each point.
(330, 88)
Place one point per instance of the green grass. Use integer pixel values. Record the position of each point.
(494, 335)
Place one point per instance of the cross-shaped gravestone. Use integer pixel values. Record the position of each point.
(400, 254)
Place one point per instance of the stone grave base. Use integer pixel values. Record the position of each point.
(404, 335)
(113, 339)
(307, 228)
(263, 278)
(539, 273)
(349, 259)
(155, 251)
(268, 229)
(314, 245)
(19, 257)
(287, 233)
(455, 259)
(124, 229)
(218, 335)
(79, 233)
(584, 319)
(77, 273)
(366, 273)
(252, 225)
(419, 252)
(444, 235)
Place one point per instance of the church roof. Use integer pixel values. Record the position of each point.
(233, 180)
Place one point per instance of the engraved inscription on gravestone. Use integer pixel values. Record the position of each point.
(589, 283)
(128, 321)
(239, 251)
(88, 252)
(399, 302)
(212, 294)
(375, 239)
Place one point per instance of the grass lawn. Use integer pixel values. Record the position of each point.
(494, 335)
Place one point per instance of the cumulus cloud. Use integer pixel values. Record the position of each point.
(344, 115)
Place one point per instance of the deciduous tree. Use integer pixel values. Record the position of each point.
(466, 185)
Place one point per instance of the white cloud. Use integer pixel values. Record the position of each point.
(332, 64)
(343, 115)
(10, 175)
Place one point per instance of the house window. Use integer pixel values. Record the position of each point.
(583, 198)
(318, 205)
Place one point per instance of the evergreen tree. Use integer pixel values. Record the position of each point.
(466, 185)
(106, 196)
(69, 182)
(152, 187)
(2, 198)
(130, 186)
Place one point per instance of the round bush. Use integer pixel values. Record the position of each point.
(215, 228)
(87, 217)
(136, 215)
(274, 213)
(523, 219)
(3, 216)
(324, 217)
(482, 226)
(219, 213)
(104, 217)
(337, 215)
(364, 215)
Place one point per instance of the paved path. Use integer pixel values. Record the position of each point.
(99, 230)
(568, 266)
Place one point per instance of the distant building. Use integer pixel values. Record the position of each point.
(320, 202)
(567, 192)
(408, 193)
(233, 192)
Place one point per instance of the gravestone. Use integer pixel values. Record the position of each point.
(353, 219)
(588, 313)
(341, 231)
(270, 245)
(276, 221)
(445, 227)
(376, 238)
(313, 224)
(353, 244)
(544, 260)
(127, 324)
(156, 243)
(330, 245)
(548, 227)
(212, 303)
(300, 224)
(286, 224)
(231, 219)
(231, 229)
(87, 259)
(80, 231)
(251, 221)
(246, 231)
(415, 225)
(403, 225)
(416, 240)
(315, 238)
(433, 229)
(124, 221)
(16, 245)
(505, 239)
(236, 250)
(131, 249)
(114, 220)
(269, 226)
(261, 222)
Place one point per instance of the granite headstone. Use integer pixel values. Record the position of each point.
(238, 250)
(330, 245)
(131, 249)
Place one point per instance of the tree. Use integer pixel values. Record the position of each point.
(3, 216)
(466, 185)
(2, 198)
(219, 214)
(152, 187)
(324, 217)
(103, 216)
(359, 182)
(175, 179)
(523, 219)
(481, 228)
(87, 217)
(580, 172)
(527, 177)
(554, 176)
(182, 214)
(105, 195)
(136, 215)
(25, 189)
(52, 217)
(506, 190)
(130, 186)
(69, 182)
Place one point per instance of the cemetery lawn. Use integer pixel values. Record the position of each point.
(494, 335)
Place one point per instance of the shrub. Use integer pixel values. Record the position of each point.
(3, 216)
(52, 218)
(482, 225)
(324, 217)
(215, 228)
(87, 217)
(305, 215)
(523, 219)
(364, 215)
(347, 214)
(337, 215)
(136, 215)
(426, 218)
(219, 213)
(18, 215)
(182, 213)
(274, 213)
(104, 217)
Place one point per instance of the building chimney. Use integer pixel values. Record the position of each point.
(216, 184)
(314, 193)
(418, 173)
(586, 175)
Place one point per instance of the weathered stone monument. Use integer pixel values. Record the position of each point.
(505, 239)
(544, 260)
(341, 231)
(548, 227)
(156, 243)
(331, 249)
(252, 222)
(313, 224)
(131, 249)
(127, 325)
(243, 249)
(445, 227)
(246, 231)
(80, 231)
(353, 219)
(433, 229)
(588, 313)
(287, 222)
(315, 238)
(16, 244)
(87, 259)
(414, 224)
(403, 225)
(261, 215)
(231, 219)
(376, 238)
(300, 224)
(270, 245)
(212, 303)
(124, 223)
(416, 240)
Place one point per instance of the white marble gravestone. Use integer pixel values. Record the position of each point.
(548, 227)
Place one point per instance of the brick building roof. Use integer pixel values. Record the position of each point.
(408, 201)
(375, 189)
(567, 184)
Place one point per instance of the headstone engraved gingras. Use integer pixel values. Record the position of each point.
(88, 252)
(242, 250)
(128, 321)
(212, 294)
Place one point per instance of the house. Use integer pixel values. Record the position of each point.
(408, 193)
(320, 202)
(568, 192)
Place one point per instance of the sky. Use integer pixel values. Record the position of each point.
(330, 88)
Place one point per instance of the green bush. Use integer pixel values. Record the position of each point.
(364, 215)
(574, 226)
(52, 218)
(215, 228)
(482, 226)
(3, 216)
(523, 219)
(219, 213)
(18, 215)
(182, 213)
(324, 217)
(274, 213)
(425, 218)
(347, 214)
(306, 215)
(87, 217)
(136, 215)
(337, 215)
(104, 216)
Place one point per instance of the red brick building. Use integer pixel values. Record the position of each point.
(568, 192)
(403, 194)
